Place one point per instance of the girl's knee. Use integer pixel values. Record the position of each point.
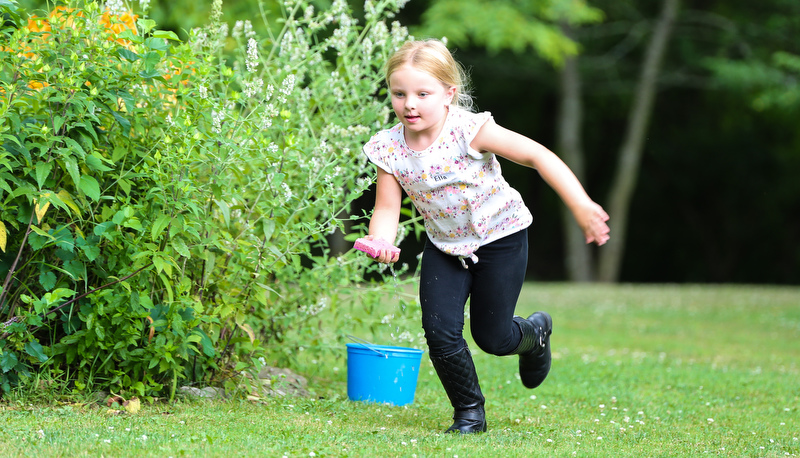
(493, 345)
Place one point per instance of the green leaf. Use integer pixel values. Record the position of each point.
(167, 286)
(47, 280)
(8, 361)
(269, 229)
(208, 268)
(207, 344)
(58, 122)
(151, 60)
(180, 246)
(157, 44)
(95, 162)
(72, 169)
(126, 125)
(90, 187)
(225, 210)
(129, 35)
(127, 54)
(146, 25)
(91, 252)
(133, 223)
(151, 74)
(43, 170)
(35, 349)
(118, 153)
(158, 227)
(102, 227)
(125, 185)
(166, 34)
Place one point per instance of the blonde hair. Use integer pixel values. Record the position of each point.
(432, 57)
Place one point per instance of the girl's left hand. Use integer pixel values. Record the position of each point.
(592, 220)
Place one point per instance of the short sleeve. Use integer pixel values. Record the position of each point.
(376, 149)
(472, 126)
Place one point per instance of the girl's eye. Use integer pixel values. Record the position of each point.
(398, 94)
(423, 94)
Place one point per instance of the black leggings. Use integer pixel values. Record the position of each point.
(492, 284)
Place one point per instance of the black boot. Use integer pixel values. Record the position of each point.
(534, 348)
(460, 381)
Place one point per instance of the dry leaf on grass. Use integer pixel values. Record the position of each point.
(133, 405)
(115, 399)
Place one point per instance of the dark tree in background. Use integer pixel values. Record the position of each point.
(711, 195)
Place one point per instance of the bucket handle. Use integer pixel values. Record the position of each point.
(366, 344)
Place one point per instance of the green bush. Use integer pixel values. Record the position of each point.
(166, 206)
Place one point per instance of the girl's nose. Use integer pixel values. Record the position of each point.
(411, 102)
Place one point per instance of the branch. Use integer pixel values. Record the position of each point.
(97, 289)
(10, 275)
(54, 310)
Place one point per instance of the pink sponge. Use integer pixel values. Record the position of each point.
(374, 247)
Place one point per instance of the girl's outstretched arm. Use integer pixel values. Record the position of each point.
(520, 149)
(386, 215)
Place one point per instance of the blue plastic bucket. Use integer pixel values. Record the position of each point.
(382, 374)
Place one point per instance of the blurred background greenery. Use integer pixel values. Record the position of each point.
(706, 131)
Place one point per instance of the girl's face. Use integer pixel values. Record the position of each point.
(420, 102)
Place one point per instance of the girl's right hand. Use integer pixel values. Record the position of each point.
(385, 256)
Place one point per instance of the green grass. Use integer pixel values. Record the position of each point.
(638, 371)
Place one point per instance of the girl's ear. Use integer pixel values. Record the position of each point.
(451, 92)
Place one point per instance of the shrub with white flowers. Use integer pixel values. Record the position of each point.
(169, 204)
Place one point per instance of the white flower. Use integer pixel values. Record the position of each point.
(203, 91)
(237, 29)
(216, 122)
(116, 7)
(251, 88)
(286, 88)
(144, 4)
(216, 10)
(252, 55)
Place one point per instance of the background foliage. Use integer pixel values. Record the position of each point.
(166, 204)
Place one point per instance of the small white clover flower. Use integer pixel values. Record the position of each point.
(203, 90)
(144, 4)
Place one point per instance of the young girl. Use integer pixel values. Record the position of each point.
(443, 156)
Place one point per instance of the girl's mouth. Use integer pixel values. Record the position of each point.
(412, 119)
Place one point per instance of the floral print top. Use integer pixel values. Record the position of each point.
(460, 192)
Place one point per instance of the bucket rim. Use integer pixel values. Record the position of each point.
(387, 348)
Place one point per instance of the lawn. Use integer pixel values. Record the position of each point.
(638, 371)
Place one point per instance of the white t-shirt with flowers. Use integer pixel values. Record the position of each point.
(460, 192)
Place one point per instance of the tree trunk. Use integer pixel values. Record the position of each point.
(570, 148)
(627, 172)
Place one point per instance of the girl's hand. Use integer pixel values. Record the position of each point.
(385, 256)
(592, 220)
